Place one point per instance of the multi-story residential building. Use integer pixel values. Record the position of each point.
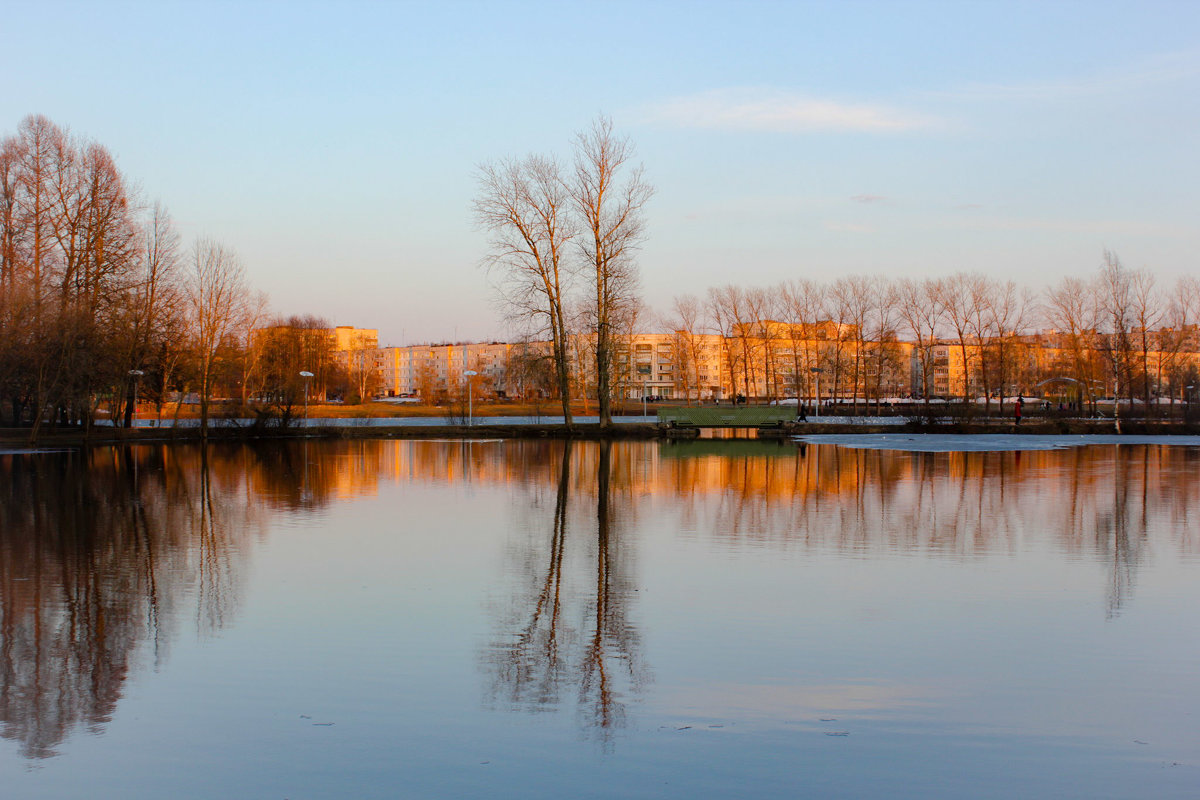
(348, 338)
(769, 360)
(431, 371)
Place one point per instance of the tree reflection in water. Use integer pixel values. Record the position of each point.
(565, 633)
(102, 553)
(105, 553)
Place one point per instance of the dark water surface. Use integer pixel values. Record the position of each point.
(382, 619)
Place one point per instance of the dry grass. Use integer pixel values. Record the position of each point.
(368, 410)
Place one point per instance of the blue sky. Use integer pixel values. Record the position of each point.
(333, 145)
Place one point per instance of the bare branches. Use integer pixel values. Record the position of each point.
(216, 295)
(609, 196)
(549, 225)
(526, 206)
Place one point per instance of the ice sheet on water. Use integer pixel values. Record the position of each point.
(986, 442)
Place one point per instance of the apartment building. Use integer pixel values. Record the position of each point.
(435, 370)
(347, 338)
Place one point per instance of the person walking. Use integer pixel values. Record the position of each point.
(1018, 407)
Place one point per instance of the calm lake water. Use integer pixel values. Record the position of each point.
(382, 619)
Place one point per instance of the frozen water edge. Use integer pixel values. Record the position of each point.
(983, 442)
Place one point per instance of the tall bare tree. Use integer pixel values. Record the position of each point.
(686, 326)
(921, 312)
(609, 195)
(1070, 308)
(216, 293)
(959, 297)
(1149, 309)
(1116, 299)
(1008, 309)
(802, 305)
(885, 356)
(526, 206)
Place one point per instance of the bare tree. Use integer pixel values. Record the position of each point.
(216, 293)
(1007, 308)
(731, 315)
(1148, 312)
(960, 297)
(853, 298)
(609, 196)
(526, 206)
(884, 350)
(1070, 308)
(802, 305)
(1116, 300)
(686, 325)
(155, 295)
(921, 313)
(760, 308)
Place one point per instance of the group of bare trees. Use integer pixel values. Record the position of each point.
(1124, 334)
(1116, 333)
(556, 227)
(99, 300)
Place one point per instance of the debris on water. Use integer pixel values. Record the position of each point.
(484, 762)
(305, 716)
(1139, 741)
(837, 733)
(322, 724)
(684, 728)
(828, 719)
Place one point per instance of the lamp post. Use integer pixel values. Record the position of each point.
(468, 374)
(1187, 410)
(817, 371)
(307, 377)
(135, 374)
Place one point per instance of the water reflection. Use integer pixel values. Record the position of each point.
(103, 553)
(1100, 501)
(567, 628)
(106, 554)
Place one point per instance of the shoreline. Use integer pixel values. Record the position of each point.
(52, 437)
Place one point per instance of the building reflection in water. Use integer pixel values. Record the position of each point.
(554, 631)
(105, 554)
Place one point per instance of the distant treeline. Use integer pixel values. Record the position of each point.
(967, 335)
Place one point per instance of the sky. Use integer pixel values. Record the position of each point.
(335, 146)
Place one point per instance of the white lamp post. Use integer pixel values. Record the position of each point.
(470, 373)
(817, 371)
(307, 376)
(135, 374)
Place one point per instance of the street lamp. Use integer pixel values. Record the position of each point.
(307, 376)
(135, 374)
(470, 373)
(1187, 410)
(817, 371)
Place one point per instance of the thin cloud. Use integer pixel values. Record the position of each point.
(868, 198)
(1092, 227)
(782, 112)
(1165, 68)
(846, 227)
